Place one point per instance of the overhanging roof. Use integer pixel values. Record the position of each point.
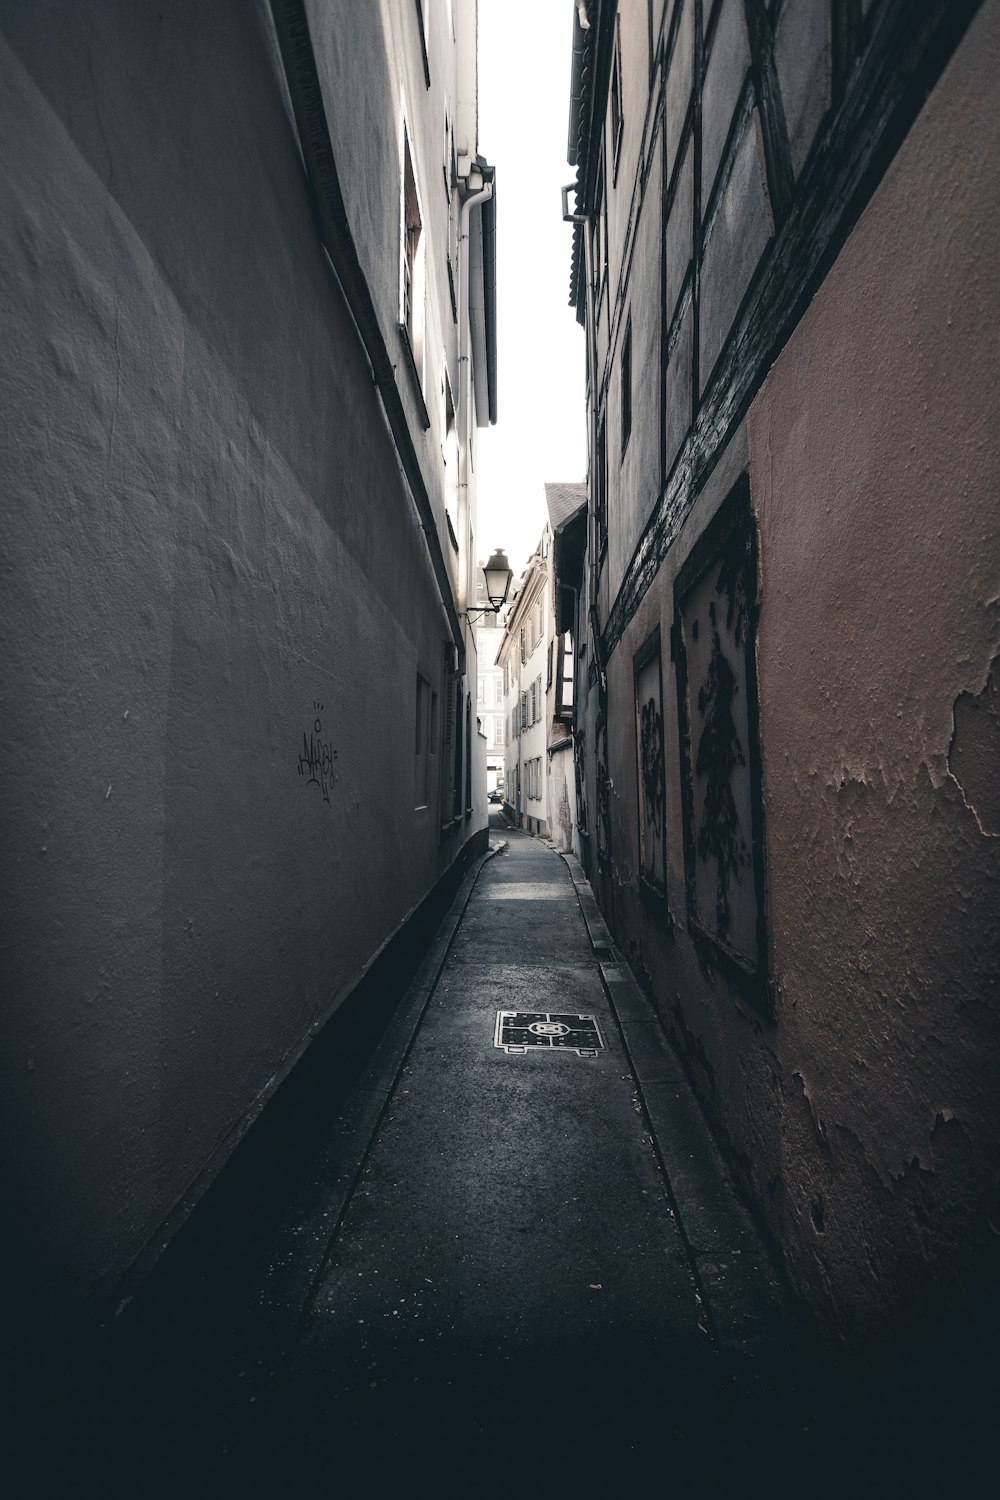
(568, 515)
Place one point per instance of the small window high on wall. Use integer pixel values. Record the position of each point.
(412, 257)
(564, 677)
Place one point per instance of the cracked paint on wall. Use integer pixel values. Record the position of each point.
(874, 479)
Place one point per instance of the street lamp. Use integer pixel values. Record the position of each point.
(498, 575)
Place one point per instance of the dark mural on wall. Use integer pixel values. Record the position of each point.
(714, 647)
(579, 772)
(603, 796)
(651, 778)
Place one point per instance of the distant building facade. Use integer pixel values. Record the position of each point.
(490, 706)
(787, 675)
(567, 507)
(537, 665)
(521, 658)
(241, 395)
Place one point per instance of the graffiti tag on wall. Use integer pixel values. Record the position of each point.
(317, 758)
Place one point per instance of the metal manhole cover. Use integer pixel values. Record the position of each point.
(554, 1031)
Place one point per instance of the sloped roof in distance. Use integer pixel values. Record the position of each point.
(563, 501)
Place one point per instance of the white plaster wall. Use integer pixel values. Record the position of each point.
(206, 536)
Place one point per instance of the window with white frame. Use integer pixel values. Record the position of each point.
(616, 101)
(449, 452)
(412, 263)
(564, 677)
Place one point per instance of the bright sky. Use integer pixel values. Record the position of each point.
(525, 52)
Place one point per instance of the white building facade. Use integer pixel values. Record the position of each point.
(522, 660)
(536, 662)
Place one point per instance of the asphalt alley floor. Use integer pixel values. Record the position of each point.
(454, 1267)
(522, 1262)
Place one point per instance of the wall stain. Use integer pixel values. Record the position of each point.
(974, 752)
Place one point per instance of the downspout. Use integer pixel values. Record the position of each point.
(302, 77)
(592, 548)
(479, 191)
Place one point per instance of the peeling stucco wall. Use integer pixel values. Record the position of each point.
(874, 478)
(862, 1114)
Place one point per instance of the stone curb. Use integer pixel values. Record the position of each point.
(746, 1302)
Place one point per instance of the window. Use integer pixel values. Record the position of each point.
(448, 162)
(627, 384)
(422, 27)
(616, 101)
(534, 704)
(468, 754)
(421, 743)
(600, 233)
(538, 695)
(450, 455)
(412, 291)
(524, 653)
(548, 667)
(524, 711)
(600, 487)
(564, 678)
(449, 739)
(480, 690)
(498, 728)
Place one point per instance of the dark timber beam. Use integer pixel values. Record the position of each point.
(909, 47)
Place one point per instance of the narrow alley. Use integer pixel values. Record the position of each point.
(515, 1263)
(512, 1245)
(500, 747)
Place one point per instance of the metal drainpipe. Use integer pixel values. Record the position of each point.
(592, 549)
(478, 195)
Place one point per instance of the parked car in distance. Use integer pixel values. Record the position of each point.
(496, 795)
